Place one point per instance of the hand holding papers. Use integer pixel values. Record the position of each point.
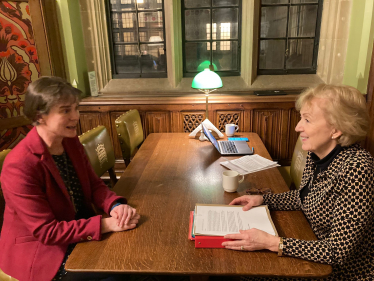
(249, 164)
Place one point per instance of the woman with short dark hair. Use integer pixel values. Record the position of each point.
(49, 187)
(336, 192)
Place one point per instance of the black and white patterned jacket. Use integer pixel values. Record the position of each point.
(340, 210)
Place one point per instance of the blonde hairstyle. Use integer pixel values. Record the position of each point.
(344, 108)
(44, 93)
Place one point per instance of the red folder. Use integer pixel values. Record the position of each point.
(205, 241)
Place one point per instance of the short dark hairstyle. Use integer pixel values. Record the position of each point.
(46, 92)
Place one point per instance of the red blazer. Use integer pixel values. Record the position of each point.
(39, 218)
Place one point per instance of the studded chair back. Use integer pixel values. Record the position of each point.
(2, 201)
(298, 163)
(130, 133)
(100, 152)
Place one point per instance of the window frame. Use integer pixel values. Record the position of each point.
(239, 40)
(285, 71)
(116, 75)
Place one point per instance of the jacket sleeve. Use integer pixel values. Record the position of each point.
(24, 188)
(352, 218)
(289, 200)
(102, 196)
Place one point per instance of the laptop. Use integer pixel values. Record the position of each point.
(228, 147)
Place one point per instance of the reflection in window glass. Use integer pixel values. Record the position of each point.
(289, 36)
(211, 36)
(137, 28)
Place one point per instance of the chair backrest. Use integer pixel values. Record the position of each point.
(99, 150)
(2, 201)
(130, 133)
(298, 163)
(6, 277)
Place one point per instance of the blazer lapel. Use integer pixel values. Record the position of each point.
(38, 147)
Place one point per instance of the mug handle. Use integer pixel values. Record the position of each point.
(241, 180)
(237, 128)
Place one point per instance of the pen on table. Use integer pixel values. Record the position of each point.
(253, 150)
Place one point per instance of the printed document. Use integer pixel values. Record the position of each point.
(249, 164)
(219, 220)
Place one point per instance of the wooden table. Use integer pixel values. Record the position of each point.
(167, 177)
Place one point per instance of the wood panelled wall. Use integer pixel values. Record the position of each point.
(272, 118)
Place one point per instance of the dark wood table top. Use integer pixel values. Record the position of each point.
(167, 177)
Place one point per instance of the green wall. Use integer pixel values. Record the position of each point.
(360, 45)
(73, 43)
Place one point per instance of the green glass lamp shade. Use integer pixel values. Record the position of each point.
(206, 80)
(206, 64)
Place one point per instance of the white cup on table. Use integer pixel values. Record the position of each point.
(231, 180)
(230, 129)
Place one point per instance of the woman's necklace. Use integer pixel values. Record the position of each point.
(68, 181)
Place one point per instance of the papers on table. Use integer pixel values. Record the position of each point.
(249, 164)
(219, 220)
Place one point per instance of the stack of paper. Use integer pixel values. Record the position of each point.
(209, 223)
(249, 164)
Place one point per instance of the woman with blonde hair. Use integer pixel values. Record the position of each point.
(336, 192)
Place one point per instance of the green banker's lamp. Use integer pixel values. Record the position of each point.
(207, 81)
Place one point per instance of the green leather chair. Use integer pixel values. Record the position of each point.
(6, 277)
(3, 275)
(293, 174)
(2, 201)
(130, 133)
(99, 149)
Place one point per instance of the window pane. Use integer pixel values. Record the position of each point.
(218, 3)
(196, 3)
(122, 5)
(127, 20)
(273, 22)
(150, 20)
(197, 25)
(225, 55)
(303, 1)
(302, 21)
(127, 59)
(227, 21)
(129, 37)
(152, 58)
(272, 54)
(274, 1)
(300, 53)
(196, 53)
(149, 4)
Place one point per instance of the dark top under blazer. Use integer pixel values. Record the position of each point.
(340, 210)
(39, 216)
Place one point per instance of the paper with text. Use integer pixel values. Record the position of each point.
(249, 164)
(219, 220)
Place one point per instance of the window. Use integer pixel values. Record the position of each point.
(137, 32)
(211, 35)
(289, 36)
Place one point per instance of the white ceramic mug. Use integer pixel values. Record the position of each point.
(230, 129)
(231, 180)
